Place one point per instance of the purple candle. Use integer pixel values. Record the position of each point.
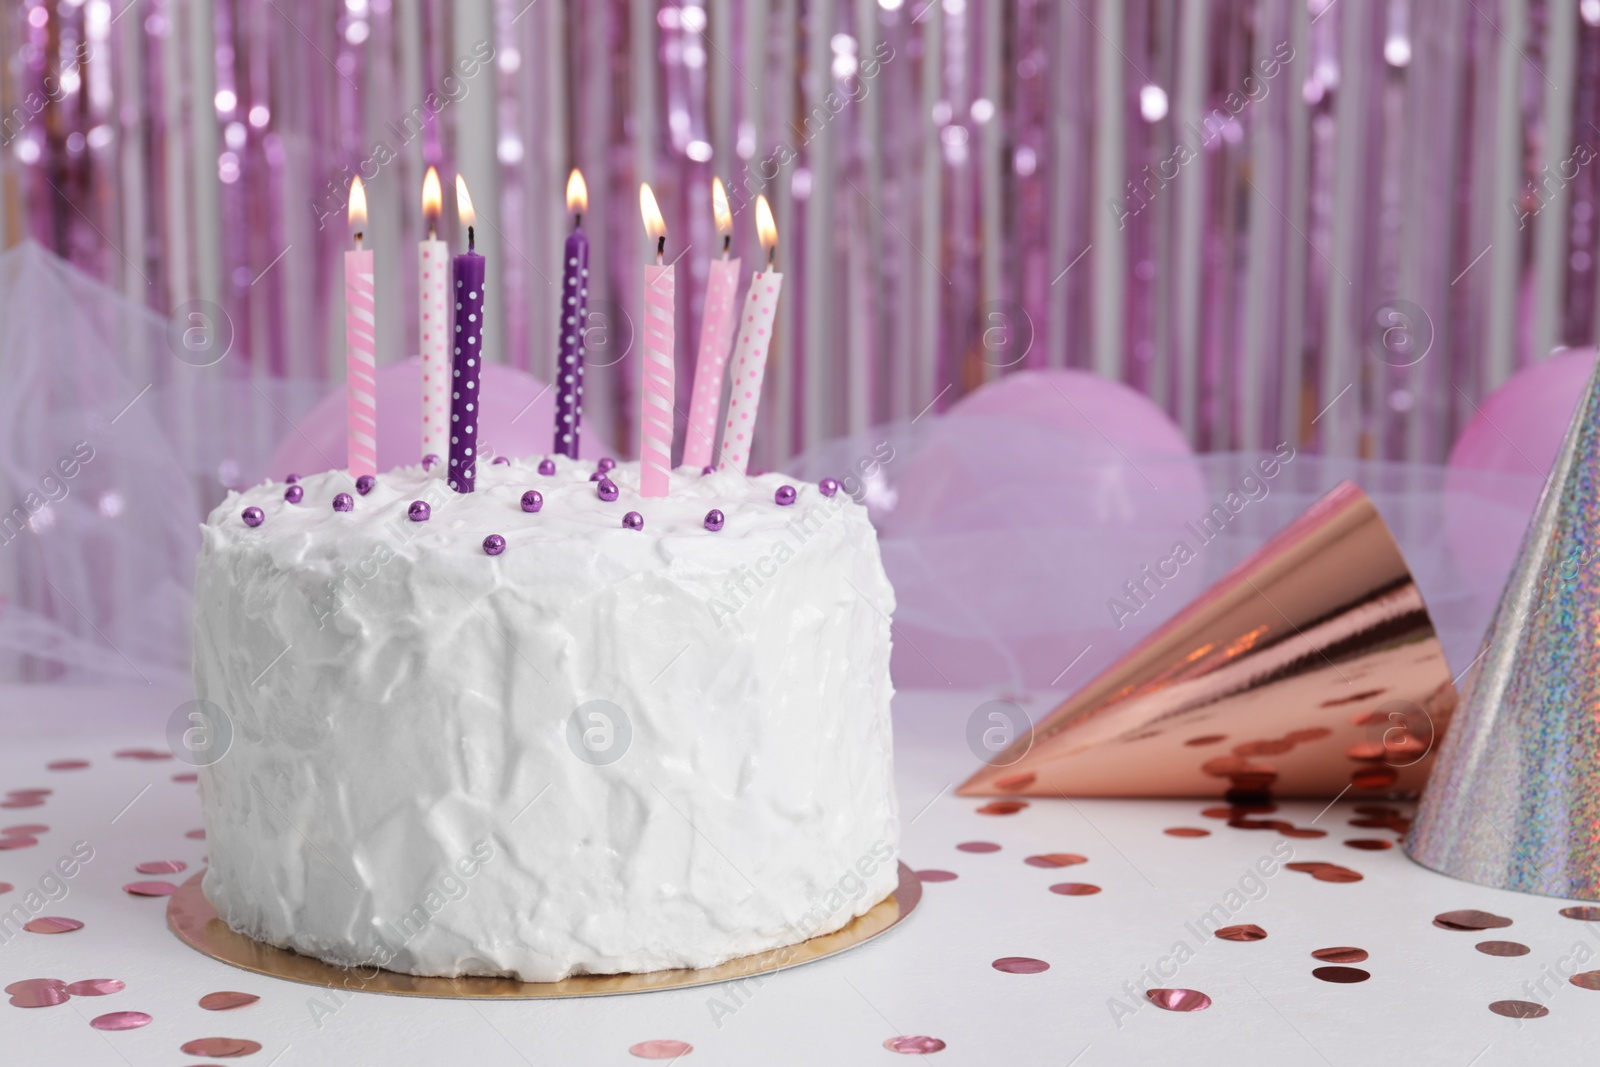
(574, 313)
(466, 287)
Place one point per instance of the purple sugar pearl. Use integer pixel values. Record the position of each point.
(294, 494)
(252, 516)
(785, 495)
(829, 486)
(607, 490)
(708, 470)
(494, 544)
(292, 478)
(532, 501)
(343, 502)
(365, 483)
(419, 511)
(606, 463)
(633, 520)
(547, 467)
(502, 459)
(430, 461)
(714, 520)
(598, 476)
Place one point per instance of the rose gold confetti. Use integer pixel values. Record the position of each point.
(1014, 782)
(7, 843)
(1340, 954)
(1020, 965)
(96, 987)
(220, 1047)
(227, 1000)
(35, 983)
(1002, 807)
(1334, 873)
(1356, 698)
(1376, 809)
(661, 1049)
(1305, 865)
(162, 867)
(1369, 844)
(1205, 739)
(1309, 734)
(6, 887)
(1365, 751)
(66, 765)
(1075, 889)
(39, 996)
(27, 829)
(1178, 999)
(1341, 975)
(1056, 859)
(53, 924)
(1519, 1009)
(1301, 831)
(150, 889)
(1186, 831)
(120, 1020)
(1586, 979)
(1374, 777)
(1585, 912)
(23, 802)
(1502, 948)
(143, 753)
(913, 1044)
(1470, 919)
(196, 835)
(1243, 932)
(186, 776)
(936, 876)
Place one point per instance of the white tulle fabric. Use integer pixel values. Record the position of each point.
(1006, 538)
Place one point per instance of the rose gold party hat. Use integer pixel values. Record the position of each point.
(1516, 800)
(1310, 668)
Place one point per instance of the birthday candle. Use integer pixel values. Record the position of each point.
(360, 346)
(466, 287)
(749, 363)
(655, 398)
(716, 333)
(433, 279)
(574, 310)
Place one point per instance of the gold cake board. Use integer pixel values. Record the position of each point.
(191, 916)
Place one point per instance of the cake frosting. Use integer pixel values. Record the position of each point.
(601, 750)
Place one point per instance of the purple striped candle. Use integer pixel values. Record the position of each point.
(466, 287)
(574, 310)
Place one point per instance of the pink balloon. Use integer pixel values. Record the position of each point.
(518, 419)
(1498, 465)
(1081, 402)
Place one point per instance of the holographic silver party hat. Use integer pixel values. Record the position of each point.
(1514, 800)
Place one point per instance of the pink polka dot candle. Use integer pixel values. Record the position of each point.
(433, 283)
(716, 334)
(753, 337)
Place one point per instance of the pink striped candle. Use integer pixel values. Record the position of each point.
(433, 270)
(716, 334)
(656, 393)
(360, 346)
(749, 364)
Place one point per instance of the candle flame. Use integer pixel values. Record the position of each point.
(577, 192)
(464, 203)
(432, 197)
(719, 207)
(766, 225)
(358, 205)
(654, 224)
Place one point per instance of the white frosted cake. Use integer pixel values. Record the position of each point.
(585, 748)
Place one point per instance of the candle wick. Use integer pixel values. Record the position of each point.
(661, 248)
(472, 238)
(727, 241)
(433, 232)
(358, 240)
(772, 254)
(577, 220)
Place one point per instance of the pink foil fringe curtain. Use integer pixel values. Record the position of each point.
(1339, 224)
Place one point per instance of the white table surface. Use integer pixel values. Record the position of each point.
(1427, 1000)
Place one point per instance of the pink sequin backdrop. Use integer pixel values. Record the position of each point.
(1336, 223)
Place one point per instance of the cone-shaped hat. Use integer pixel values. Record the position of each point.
(1309, 669)
(1515, 800)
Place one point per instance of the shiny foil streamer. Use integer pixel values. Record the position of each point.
(227, 1000)
(1242, 932)
(1519, 1009)
(1515, 797)
(96, 987)
(1470, 919)
(1340, 954)
(1178, 999)
(913, 1044)
(1341, 975)
(221, 1048)
(122, 1020)
(1502, 948)
(661, 1049)
(1020, 965)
